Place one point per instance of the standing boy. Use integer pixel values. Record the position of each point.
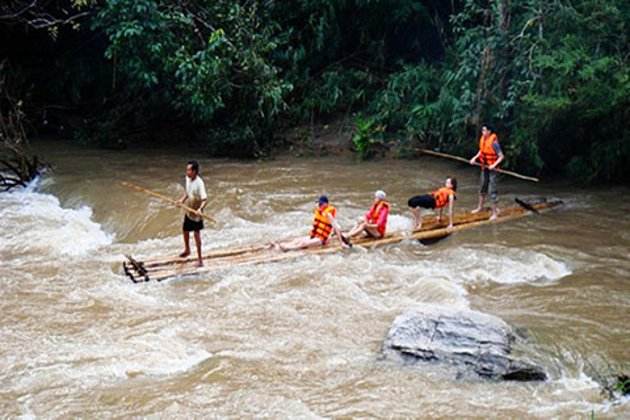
(196, 198)
(489, 156)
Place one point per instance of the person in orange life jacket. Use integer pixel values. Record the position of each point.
(324, 224)
(438, 199)
(195, 197)
(374, 222)
(489, 156)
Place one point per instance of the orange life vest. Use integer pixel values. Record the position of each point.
(441, 196)
(322, 228)
(487, 155)
(374, 213)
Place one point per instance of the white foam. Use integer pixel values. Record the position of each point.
(501, 265)
(579, 394)
(397, 223)
(107, 359)
(36, 224)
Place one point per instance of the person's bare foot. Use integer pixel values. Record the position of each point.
(493, 217)
(418, 227)
(477, 210)
(200, 263)
(184, 254)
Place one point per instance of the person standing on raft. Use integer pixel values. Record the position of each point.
(438, 199)
(374, 222)
(196, 198)
(489, 156)
(324, 224)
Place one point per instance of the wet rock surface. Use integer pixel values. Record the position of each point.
(473, 342)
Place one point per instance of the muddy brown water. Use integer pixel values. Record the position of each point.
(300, 338)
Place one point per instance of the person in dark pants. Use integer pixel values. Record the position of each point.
(489, 156)
(196, 198)
(438, 199)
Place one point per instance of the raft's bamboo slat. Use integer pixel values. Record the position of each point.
(167, 199)
(207, 256)
(461, 159)
(430, 230)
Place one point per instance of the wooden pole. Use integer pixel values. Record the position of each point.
(167, 199)
(461, 159)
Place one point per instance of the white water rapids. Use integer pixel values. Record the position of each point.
(299, 338)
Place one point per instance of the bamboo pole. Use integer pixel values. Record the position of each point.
(167, 199)
(461, 159)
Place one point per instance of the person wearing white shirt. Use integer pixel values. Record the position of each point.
(196, 198)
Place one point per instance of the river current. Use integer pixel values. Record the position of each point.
(299, 338)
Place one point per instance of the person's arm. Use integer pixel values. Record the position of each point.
(203, 195)
(497, 149)
(204, 202)
(495, 164)
(451, 204)
(381, 218)
(440, 214)
(474, 159)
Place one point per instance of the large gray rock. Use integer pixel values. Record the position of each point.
(471, 341)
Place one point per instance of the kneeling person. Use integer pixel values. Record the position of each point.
(324, 224)
(438, 199)
(374, 222)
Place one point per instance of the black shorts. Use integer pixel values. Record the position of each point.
(191, 225)
(425, 201)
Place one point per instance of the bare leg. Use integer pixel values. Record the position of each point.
(198, 244)
(495, 211)
(358, 228)
(482, 199)
(417, 218)
(374, 232)
(300, 243)
(186, 245)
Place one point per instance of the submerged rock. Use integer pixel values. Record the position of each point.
(471, 341)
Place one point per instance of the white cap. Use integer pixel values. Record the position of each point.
(380, 195)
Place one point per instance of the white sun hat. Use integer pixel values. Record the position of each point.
(380, 194)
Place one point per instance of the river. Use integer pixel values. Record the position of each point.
(299, 338)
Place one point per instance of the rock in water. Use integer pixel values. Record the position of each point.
(469, 340)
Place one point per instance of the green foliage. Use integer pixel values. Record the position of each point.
(551, 76)
(622, 385)
(211, 61)
(367, 137)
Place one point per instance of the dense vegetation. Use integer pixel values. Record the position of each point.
(550, 75)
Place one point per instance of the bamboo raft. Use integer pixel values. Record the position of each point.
(159, 269)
